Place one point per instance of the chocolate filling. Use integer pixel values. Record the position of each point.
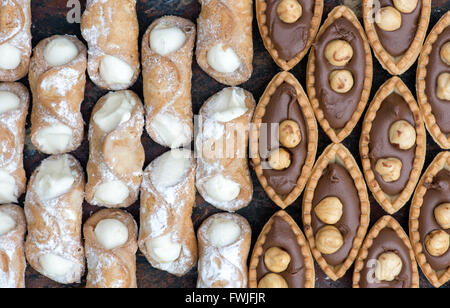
(440, 108)
(397, 42)
(339, 108)
(282, 236)
(438, 192)
(387, 241)
(289, 39)
(337, 182)
(282, 106)
(392, 109)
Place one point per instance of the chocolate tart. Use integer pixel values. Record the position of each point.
(430, 66)
(386, 236)
(433, 190)
(282, 232)
(286, 42)
(397, 50)
(336, 174)
(393, 102)
(338, 113)
(283, 99)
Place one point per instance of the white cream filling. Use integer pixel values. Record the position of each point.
(7, 223)
(8, 188)
(60, 51)
(163, 250)
(8, 101)
(10, 57)
(115, 111)
(223, 59)
(173, 132)
(222, 189)
(170, 168)
(165, 39)
(111, 193)
(54, 139)
(115, 71)
(223, 232)
(54, 178)
(228, 104)
(111, 233)
(56, 267)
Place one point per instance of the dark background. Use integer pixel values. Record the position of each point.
(49, 18)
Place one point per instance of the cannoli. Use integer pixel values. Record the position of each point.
(57, 81)
(53, 209)
(116, 155)
(14, 100)
(110, 243)
(15, 39)
(223, 178)
(224, 243)
(167, 237)
(12, 255)
(167, 50)
(224, 42)
(111, 29)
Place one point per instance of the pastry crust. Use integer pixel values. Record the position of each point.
(261, 6)
(396, 65)
(223, 267)
(12, 254)
(17, 32)
(12, 134)
(228, 22)
(435, 131)
(167, 80)
(110, 27)
(392, 204)
(339, 154)
(338, 136)
(167, 211)
(311, 124)
(301, 240)
(58, 92)
(54, 225)
(441, 161)
(114, 268)
(384, 222)
(108, 150)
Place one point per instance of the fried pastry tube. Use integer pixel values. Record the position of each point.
(224, 244)
(111, 29)
(167, 50)
(116, 155)
(223, 178)
(110, 244)
(12, 254)
(167, 236)
(57, 80)
(224, 42)
(53, 209)
(15, 39)
(14, 100)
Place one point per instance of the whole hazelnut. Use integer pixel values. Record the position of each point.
(329, 240)
(445, 53)
(272, 281)
(279, 159)
(388, 18)
(388, 267)
(289, 134)
(437, 243)
(442, 215)
(289, 11)
(341, 81)
(443, 87)
(403, 135)
(405, 6)
(389, 168)
(338, 52)
(276, 259)
(329, 210)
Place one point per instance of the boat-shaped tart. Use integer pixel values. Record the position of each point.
(393, 145)
(429, 221)
(281, 257)
(339, 73)
(433, 82)
(386, 258)
(283, 139)
(336, 210)
(396, 30)
(288, 28)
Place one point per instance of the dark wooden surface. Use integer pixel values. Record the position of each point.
(49, 18)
